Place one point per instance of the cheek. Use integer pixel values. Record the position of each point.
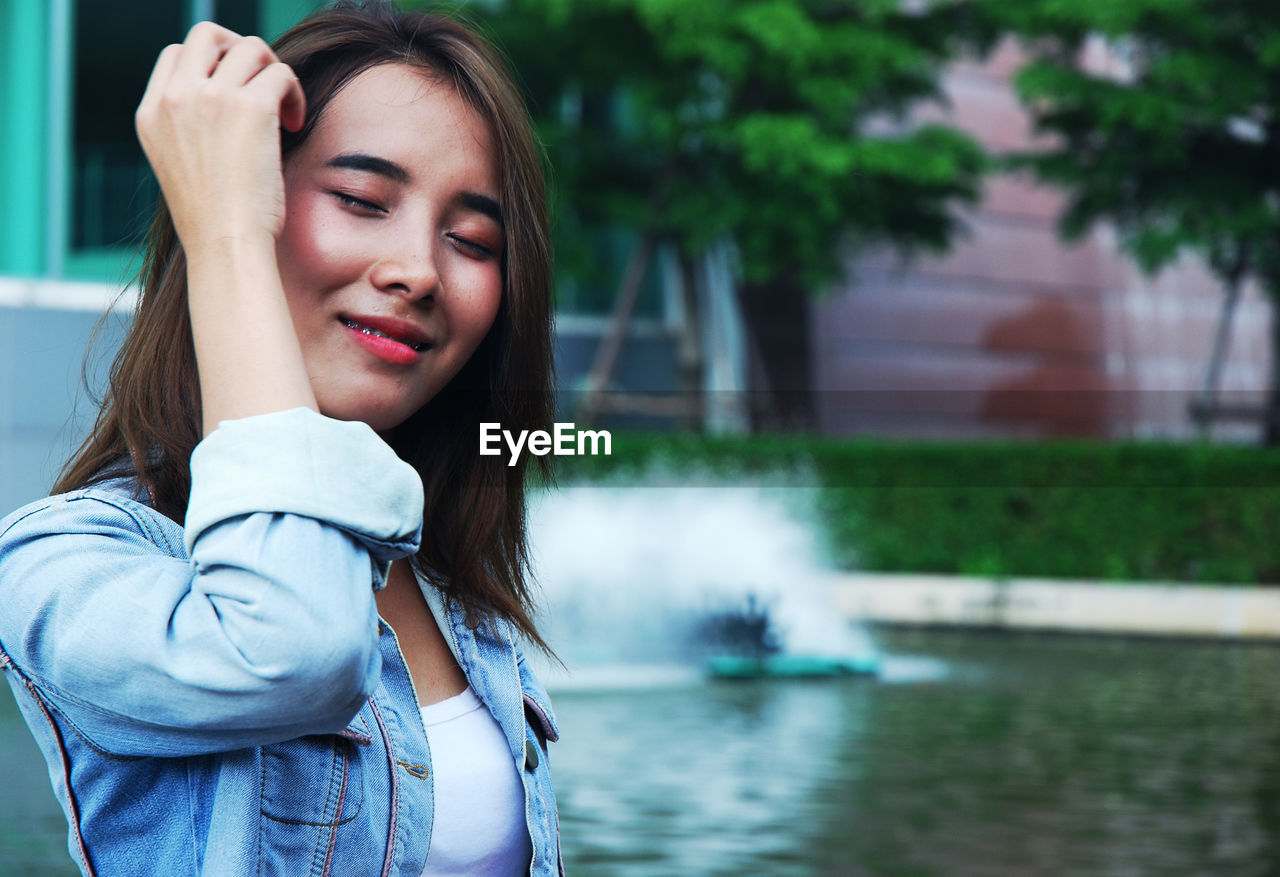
(477, 305)
(314, 250)
(486, 306)
(298, 244)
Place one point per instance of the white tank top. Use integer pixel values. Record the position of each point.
(479, 825)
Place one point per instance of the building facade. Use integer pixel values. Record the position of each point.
(79, 196)
(1010, 334)
(1014, 333)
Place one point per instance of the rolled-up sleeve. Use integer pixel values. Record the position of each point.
(299, 462)
(265, 630)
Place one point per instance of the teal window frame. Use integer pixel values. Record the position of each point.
(37, 45)
(25, 58)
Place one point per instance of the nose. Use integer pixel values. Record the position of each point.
(407, 267)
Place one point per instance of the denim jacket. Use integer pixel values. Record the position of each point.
(222, 698)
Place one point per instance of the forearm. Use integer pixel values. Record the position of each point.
(264, 628)
(209, 123)
(247, 351)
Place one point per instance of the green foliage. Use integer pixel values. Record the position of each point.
(1058, 509)
(1182, 150)
(778, 123)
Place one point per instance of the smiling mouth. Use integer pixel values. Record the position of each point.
(417, 346)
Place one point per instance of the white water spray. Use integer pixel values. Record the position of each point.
(631, 575)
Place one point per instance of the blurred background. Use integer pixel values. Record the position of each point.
(936, 339)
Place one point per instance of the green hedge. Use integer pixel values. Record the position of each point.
(1127, 511)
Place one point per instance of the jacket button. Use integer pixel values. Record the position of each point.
(530, 755)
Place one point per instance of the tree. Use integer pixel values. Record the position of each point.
(777, 124)
(1182, 151)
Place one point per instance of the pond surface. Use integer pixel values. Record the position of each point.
(1017, 755)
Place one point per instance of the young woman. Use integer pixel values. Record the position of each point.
(270, 621)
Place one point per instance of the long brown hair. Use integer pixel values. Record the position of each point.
(474, 543)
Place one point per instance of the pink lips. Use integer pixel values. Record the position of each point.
(396, 341)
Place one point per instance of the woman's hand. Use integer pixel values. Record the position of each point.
(209, 123)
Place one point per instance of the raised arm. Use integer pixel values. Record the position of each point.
(209, 123)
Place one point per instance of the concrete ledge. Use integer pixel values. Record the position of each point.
(1149, 609)
(65, 295)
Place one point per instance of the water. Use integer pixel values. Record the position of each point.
(1025, 756)
(1028, 756)
(972, 754)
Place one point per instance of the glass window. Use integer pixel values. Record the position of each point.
(590, 268)
(112, 192)
(241, 16)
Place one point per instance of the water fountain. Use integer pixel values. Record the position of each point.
(649, 585)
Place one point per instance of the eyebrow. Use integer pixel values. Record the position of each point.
(482, 204)
(361, 161)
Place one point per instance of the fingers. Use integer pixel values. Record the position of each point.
(244, 60)
(282, 87)
(251, 63)
(213, 56)
(203, 48)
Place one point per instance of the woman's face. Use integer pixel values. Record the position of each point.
(391, 254)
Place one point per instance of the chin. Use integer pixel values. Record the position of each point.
(380, 417)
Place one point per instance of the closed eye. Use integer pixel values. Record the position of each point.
(478, 250)
(359, 203)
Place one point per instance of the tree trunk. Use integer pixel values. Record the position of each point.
(611, 344)
(777, 325)
(1271, 423)
(689, 353)
(1203, 410)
